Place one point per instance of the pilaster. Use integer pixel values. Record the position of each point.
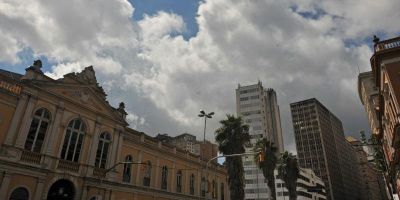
(139, 166)
(55, 131)
(114, 150)
(39, 189)
(156, 183)
(95, 142)
(4, 185)
(26, 122)
(12, 131)
(173, 178)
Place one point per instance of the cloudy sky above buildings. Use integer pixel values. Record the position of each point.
(167, 59)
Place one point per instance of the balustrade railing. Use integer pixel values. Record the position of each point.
(388, 44)
(30, 157)
(68, 166)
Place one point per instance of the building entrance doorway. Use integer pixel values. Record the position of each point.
(61, 190)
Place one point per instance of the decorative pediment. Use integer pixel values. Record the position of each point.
(82, 88)
(85, 77)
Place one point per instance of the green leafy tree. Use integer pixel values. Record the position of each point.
(231, 138)
(288, 170)
(267, 161)
(378, 153)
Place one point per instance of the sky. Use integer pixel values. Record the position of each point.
(168, 59)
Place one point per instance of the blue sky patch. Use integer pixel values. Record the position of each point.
(185, 8)
(26, 57)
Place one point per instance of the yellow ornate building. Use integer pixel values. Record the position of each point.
(60, 139)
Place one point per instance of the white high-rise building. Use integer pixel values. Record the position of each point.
(259, 109)
(309, 186)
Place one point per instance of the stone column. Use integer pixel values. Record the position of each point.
(114, 148)
(12, 131)
(198, 185)
(39, 189)
(173, 178)
(84, 193)
(54, 132)
(139, 166)
(94, 143)
(26, 122)
(185, 181)
(120, 143)
(4, 185)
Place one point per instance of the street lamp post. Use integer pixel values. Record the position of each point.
(209, 115)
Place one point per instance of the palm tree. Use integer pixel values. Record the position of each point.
(268, 161)
(288, 170)
(231, 137)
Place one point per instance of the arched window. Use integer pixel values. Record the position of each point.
(179, 181)
(191, 182)
(222, 191)
(102, 150)
(164, 177)
(37, 130)
(126, 177)
(203, 187)
(73, 140)
(147, 174)
(20, 193)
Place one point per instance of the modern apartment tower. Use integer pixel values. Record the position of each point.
(258, 108)
(322, 147)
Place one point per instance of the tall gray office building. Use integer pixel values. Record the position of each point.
(321, 146)
(258, 108)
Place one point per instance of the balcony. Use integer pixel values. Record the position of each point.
(68, 166)
(387, 44)
(30, 157)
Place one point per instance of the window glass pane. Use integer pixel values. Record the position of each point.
(40, 136)
(78, 148)
(77, 124)
(65, 145)
(104, 157)
(98, 153)
(31, 134)
(46, 114)
(72, 143)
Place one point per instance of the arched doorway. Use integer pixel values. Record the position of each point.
(20, 193)
(61, 190)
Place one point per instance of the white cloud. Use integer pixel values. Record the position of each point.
(166, 79)
(135, 120)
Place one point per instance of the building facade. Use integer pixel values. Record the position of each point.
(259, 109)
(61, 139)
(369, 96)
(309, 186)
(321, 146)
(372, 182)
(385, 65)
(206, 149)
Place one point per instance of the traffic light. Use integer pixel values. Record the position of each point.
(261, 156)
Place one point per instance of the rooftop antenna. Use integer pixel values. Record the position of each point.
(358, 68)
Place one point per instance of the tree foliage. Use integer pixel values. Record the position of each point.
(378, 153)
(231, 138)
(288, 170)
(268, 163)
